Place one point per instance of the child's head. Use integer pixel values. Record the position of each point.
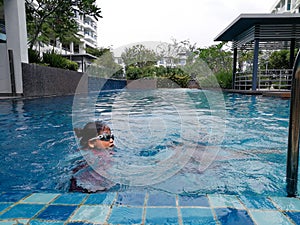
(95, 135)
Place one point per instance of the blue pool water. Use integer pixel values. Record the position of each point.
(178, 141)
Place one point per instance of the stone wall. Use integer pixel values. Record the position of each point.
(40, 81)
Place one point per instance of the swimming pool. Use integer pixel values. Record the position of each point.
(173, 140)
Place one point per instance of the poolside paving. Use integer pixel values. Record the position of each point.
(146, 208)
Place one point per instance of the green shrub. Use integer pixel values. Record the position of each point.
(54, 60)
(222, 79)
(72, 65)
(34, 56)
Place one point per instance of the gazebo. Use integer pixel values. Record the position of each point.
(262, 32)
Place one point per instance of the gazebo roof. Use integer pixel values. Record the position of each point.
(265, 27)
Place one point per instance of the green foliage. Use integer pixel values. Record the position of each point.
(174, 75)
(71, 65)
(279, 60)
(216, 57)
(98, 52)
(54, 19)
(176, 50)
(224, 79)
(139, 56)
(54, 60)
(105, 65)
(34, 56)
(245, 56)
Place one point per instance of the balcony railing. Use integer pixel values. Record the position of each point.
(276, 80)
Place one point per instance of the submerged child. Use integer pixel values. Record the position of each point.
(97, 143)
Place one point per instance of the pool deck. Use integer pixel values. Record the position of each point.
(264, 93)
(146, 208)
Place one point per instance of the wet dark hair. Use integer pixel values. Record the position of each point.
(90, 130)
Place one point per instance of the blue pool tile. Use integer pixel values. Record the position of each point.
(91, 214)
(38, 222)
(101, 198)
(8, 222)
(12, 197)
(286, 203)
(257, 202)
(4, 206)
(22, 211)
(229, 216)
(295, 216)
(57, 212)
(74, 198)
(40, 198)
(161, 199)
(132, 199)
(79, 223)
(193, 201)
(126, 215)
(221, 201)
(195, 216)
(269, 217)
(17, 221)
(162, 216)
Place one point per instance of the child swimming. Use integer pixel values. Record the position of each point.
(96, 145)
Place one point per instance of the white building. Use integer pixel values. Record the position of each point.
(87, 33)
(286, 6)
(77, 51)
(13, 46)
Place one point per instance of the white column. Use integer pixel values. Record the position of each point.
(16, 33)
(72, 47)
(285, 5)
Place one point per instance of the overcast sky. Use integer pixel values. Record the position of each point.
(199, 21)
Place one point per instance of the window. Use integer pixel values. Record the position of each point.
(2, 23)
(76, 48)
(288, 7)
(53, 42)
(66, 47)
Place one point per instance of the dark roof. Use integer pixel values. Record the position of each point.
(246, 21)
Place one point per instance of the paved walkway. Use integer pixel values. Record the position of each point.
(146, 208)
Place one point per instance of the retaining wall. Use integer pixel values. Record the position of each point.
(40, 81)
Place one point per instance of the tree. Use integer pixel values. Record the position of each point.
(216, 57)
(279, 60)
(139, 56)
(105, 65)
(54, 19)
(98, 52)
(245, 59)
(174, 51)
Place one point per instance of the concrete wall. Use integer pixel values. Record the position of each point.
(16, 33)
(40, 81)
(5, 85)
(98, 84)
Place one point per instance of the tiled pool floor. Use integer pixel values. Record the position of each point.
(145, 208)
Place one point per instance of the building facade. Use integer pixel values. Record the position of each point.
(286, 6)
(76, 52)
(87, 33)
(13, 46)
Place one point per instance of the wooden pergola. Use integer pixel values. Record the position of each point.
(262, 31)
